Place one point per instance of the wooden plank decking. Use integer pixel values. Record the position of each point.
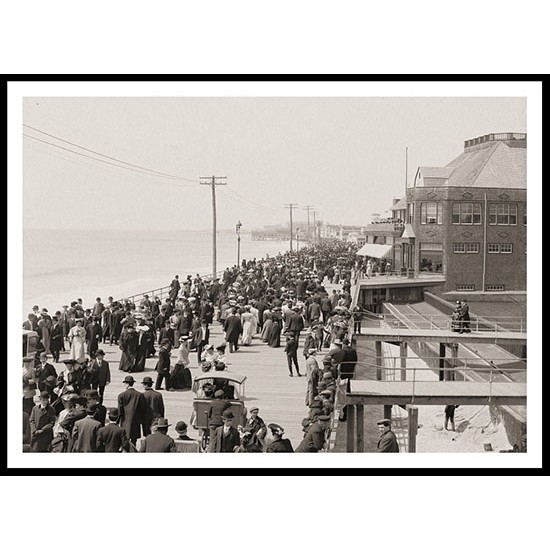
(281, 399)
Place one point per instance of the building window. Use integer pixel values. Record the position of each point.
(494, 287)
(431, 257)
(465, 288)
(525, 214)
(503, 214)
(499, 248)
(506, 249)
(430, 212)
(466, 213)
(466, 248)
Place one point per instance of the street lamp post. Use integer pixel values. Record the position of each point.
(238, 231)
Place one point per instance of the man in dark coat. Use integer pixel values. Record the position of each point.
(155, 404)
(215, 411)
(101, 374)
(93, 336)
(100, 410)
(174, 288)
(315, 438)
(226, 438)
(279, 444)
(43, 371)
(387, 442)
(163, 366)
(291, 350)
(85, 432)
(166, 332)
(112, 438)
(233, 329)
(132, 408)
(56, 338)
(295, 323)
(42, 420)
(159, 441)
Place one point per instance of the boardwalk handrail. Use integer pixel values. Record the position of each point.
(165, 290)
(444, 322)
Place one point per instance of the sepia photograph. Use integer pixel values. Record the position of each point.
(327, 268)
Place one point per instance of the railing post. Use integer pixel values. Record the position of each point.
(350, 421)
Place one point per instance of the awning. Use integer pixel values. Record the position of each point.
(409, 232)
(375, 250)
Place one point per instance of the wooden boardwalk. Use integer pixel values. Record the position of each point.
(280, 398)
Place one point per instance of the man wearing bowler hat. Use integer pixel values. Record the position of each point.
(159, 441)
(226, 438)
(85, 432)
(42, 420)
(112, 438)
(387, 442)
(132, 409)
(101, 373)
(155, 404)
(100, 415)
(163, 366)
(43, 370)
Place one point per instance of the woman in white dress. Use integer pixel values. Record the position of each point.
(77, 339)
(249, 323)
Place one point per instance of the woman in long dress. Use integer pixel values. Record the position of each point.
(129, 341)
(248, 321)
(77, 339)
(267, 325)
(274, 339)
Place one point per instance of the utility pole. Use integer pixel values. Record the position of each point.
(290, 207)
(308, 208)
(406, 170)
(314, 226)
(213, 181)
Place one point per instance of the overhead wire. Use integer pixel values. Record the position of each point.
(157, 172)
(104, 161)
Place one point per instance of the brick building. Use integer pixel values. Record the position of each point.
(468, 219)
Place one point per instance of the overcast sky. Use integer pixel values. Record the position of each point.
(343, 156)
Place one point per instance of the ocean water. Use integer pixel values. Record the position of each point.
(60, 266)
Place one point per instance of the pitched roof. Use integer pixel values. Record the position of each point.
(435, 171)
(400, 205)
(497, 165)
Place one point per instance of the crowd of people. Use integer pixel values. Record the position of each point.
(275, 300)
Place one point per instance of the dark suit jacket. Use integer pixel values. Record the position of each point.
(228, 443)
(163, 363)
(215, 411)
(111, 439)
(388, 443)
(85, 435)
(233, 328)
(155, 408)
(132, 408)
(45, 371)
(295, 323)
(158, 443)
(102, 374)
(313, 441)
